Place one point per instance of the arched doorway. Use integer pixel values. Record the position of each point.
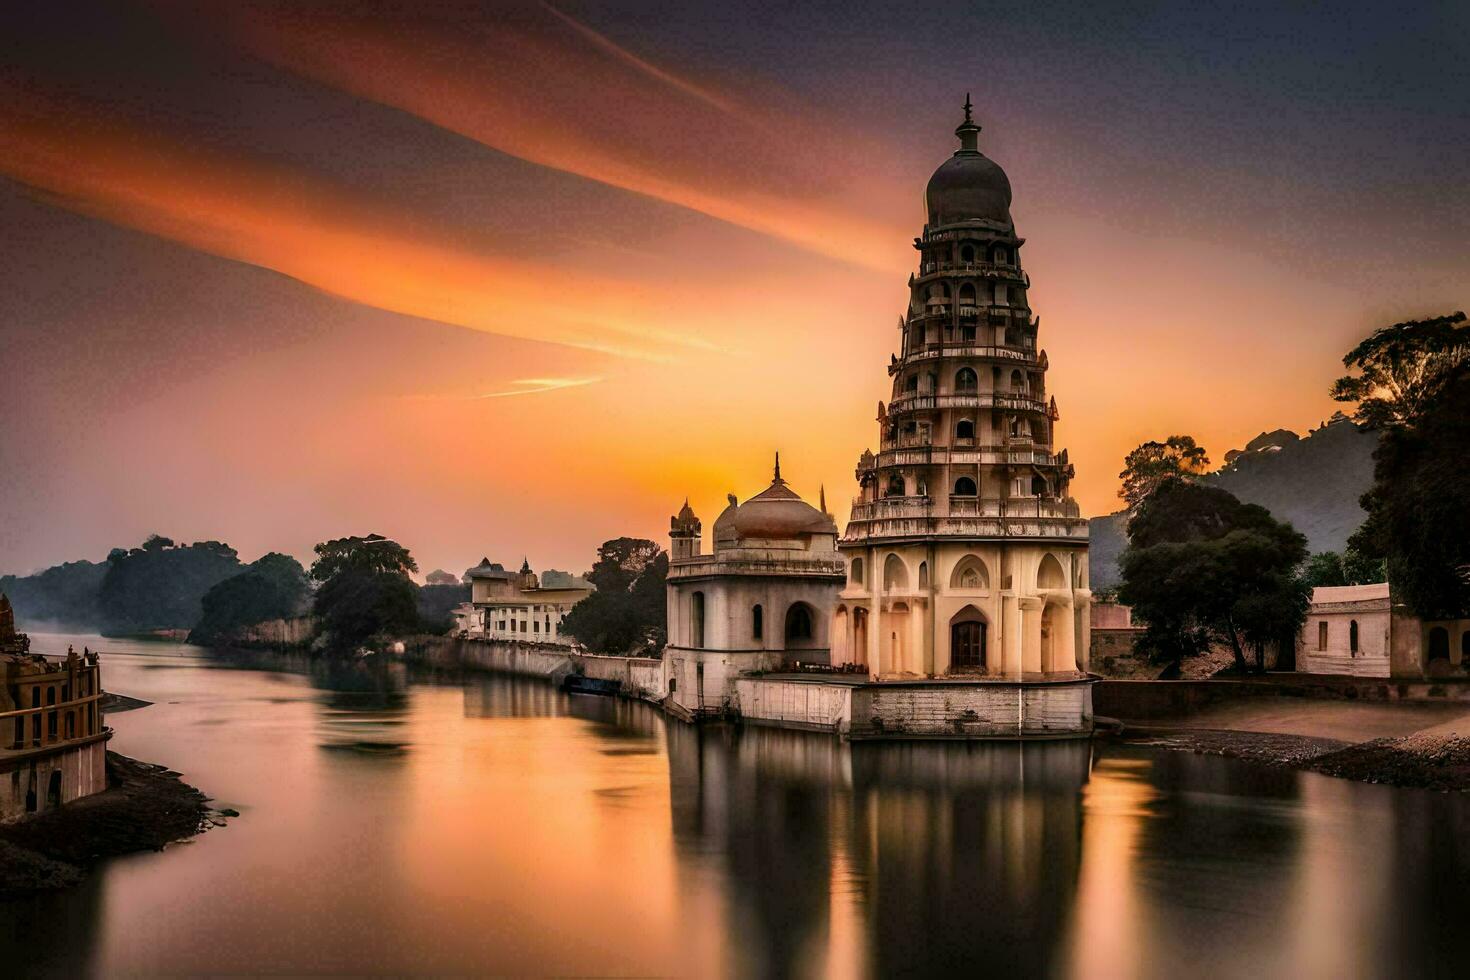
(1050, 574)
(895, 575)
(967, 640)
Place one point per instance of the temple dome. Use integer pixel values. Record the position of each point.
(776, 513)
(969, 186)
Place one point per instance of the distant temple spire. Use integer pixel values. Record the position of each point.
(822, 498)
(777, 478)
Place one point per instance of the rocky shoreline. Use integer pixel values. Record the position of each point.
(1425, 760)
(145, 808)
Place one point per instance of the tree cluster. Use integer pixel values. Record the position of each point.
(364, 589)
(161, 585)
(272, 587)
(1145, 468)
(1202, 568)
(626, 614)
(1413, 386)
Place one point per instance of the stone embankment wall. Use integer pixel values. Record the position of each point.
(972, 710)
(26, 788)
(795, 703)
(297, 631)
(640, 677)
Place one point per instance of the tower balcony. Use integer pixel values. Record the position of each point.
(894, 453)
(975, 400)
(985, 352)
(970, 518)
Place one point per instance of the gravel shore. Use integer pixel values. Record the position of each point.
(144, 808)
(1426, 760)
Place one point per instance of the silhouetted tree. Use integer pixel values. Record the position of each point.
(364, 589)
(1201, 567)
(627, 612)
(161, 585)
(272, 587)
(1413, 387)
(1154, 462)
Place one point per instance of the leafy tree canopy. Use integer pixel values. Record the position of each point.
(373, 554)
(273, 587)
(1152, 463)
(1403, 369)
(1202, 568)
(627, 612)
(440, 577)
(161, 585)
(1351, 567)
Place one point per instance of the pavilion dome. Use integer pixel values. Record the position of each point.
(776, 513)
(969, 186)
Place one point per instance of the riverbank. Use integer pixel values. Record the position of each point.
(1431, 759)
(144, 808)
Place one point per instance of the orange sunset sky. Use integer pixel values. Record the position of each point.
(510, 279)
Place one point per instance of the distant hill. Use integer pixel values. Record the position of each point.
(1314, 483)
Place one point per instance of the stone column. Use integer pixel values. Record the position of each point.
(1030, 633)
(875, 615)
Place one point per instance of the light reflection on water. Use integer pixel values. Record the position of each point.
(411, 823)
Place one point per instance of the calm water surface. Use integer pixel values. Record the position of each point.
(394, 822)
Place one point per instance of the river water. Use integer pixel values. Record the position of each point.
(402, 822)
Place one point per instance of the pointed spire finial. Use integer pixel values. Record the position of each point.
(822, 497)
(969, 130)
(778, 467)
(968, 107)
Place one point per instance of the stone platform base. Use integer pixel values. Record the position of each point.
(941, 708)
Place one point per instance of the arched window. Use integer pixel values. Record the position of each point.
(696, 620)
(1038, 486)
(964, 487)
(1018, 381)
(965, 380)
(1353, 638)
(895, 485)
(967, 294)
(967, 253)
(970, 573)
(964, 430)
(757, 622)
(895, 574)
(1002, 256)
(798, 623)
(1050, 574)
(923, 574)
(1322, 635)
(911, 383)
(855, 572)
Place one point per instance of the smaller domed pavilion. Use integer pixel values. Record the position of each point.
(762, 599)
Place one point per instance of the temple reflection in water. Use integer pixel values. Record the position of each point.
(970, 850)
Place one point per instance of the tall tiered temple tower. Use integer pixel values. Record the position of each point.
(966, 555)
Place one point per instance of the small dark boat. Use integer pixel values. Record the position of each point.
(577, 684)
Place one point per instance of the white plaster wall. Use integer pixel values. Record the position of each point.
(1372, 658)
(795, 704)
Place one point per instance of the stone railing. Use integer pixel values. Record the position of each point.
(979, 399)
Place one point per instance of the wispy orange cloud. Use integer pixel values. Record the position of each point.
(546, 88)
(282, 219)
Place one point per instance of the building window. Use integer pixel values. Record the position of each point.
(696, 620)
(1322, 635)
(964, 487)
(1439, 643)
(965, 380)
(855, 572)
(895, 486)
(757, 622)
(1353, 638)
(923, 575)
(964, 430)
